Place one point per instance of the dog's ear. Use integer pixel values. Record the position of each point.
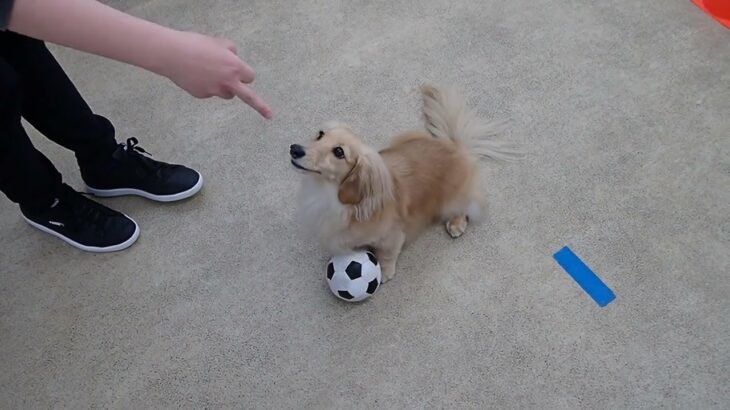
(368, 186)
(350, 192)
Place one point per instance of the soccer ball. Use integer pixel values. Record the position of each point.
(354, 277)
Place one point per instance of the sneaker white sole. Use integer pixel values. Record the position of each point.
(118, 247)
(107, 193)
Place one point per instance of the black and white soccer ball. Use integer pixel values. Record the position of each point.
(354, 276)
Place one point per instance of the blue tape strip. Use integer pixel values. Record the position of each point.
(581, 273)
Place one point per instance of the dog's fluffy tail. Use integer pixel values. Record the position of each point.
(447, 116)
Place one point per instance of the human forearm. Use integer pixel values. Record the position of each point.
(90, 26)
(201, 65)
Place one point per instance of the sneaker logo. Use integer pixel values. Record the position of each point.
(54, 223)
(55, 202)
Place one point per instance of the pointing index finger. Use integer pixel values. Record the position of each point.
(247, 95)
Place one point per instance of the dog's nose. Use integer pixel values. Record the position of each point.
(296, 151)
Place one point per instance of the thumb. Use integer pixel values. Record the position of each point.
(246, 73)
(228, 44)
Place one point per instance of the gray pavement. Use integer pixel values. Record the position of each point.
(625, 109)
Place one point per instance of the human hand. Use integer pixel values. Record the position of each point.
(201, 65)
(210, 67)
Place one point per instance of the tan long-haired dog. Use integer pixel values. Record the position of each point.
(356, 197)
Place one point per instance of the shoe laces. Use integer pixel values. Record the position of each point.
(83, 210)
(138, 154)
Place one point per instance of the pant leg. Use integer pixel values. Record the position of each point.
(27, 177)
(52, 104)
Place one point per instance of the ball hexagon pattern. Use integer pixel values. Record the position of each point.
(354, 276)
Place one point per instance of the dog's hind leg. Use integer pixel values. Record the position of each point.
(457, 216)
(456, 225)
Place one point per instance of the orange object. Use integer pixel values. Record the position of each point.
(718, 9)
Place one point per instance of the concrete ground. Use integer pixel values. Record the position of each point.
(625, 109)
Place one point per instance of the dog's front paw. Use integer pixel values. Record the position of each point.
(388, 273)
(456, 226)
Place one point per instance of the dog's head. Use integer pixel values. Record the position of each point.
(337, 156)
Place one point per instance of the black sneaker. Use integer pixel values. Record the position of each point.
(83, 223)
(131, 172)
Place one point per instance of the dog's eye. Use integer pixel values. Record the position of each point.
(339, 152)
(321, 134)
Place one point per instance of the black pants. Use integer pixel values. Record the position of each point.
(33, 86)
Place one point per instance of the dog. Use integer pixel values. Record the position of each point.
(355, 197)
